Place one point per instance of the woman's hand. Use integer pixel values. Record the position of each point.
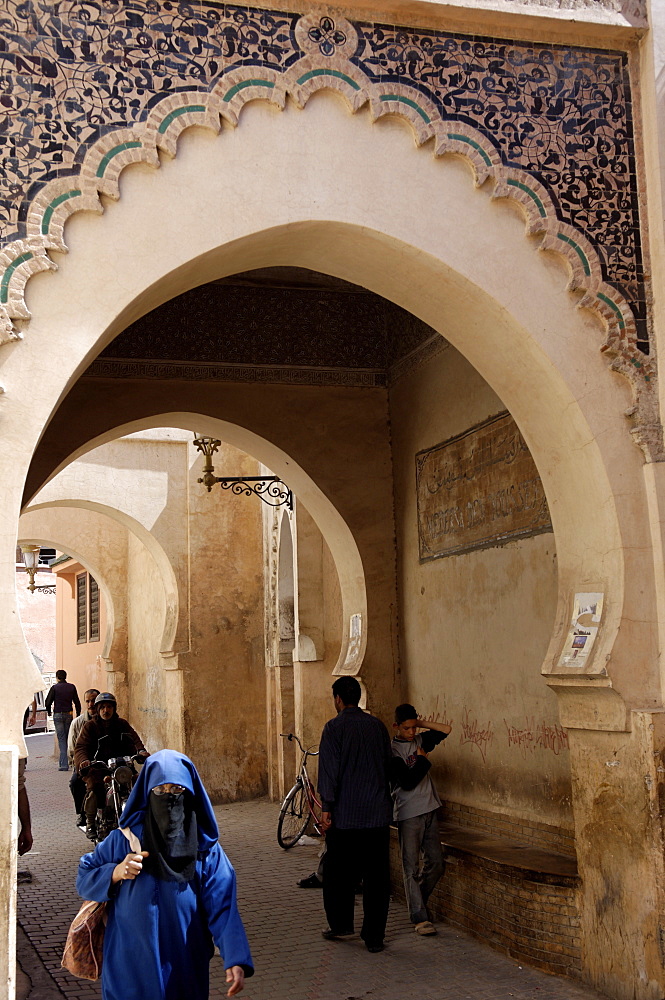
(129, 868)
(236, 976)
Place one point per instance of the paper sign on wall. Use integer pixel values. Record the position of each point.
(587, 613)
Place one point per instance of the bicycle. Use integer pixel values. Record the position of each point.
(300, 805)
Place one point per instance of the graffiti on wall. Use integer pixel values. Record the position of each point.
(476, 734)
(526, 739)
(540, 736)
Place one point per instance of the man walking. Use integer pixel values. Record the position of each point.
(60, 697)
(76, 782)
(354, 758)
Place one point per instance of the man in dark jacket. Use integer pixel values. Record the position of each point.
(102, 738)
(354, 758)
(61, 697)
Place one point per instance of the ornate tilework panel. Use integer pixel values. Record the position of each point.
(71, 71)
(562, 114)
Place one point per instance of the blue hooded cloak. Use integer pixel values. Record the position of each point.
(159, 934)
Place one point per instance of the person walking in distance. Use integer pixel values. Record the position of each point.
(61, 697)
(76, 782)
(416, 805)
(354, 757)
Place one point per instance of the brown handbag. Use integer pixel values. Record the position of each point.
(84, 946)
(85, 941)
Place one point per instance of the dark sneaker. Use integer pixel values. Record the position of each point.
(374, 948)
(311, 882)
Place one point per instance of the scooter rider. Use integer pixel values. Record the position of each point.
(102, 738)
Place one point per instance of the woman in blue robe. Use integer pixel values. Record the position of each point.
(171, 900)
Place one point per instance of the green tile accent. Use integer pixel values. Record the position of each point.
(578, 250)
(476, 146)
(46, 219)
(246, 83)
(614, 307)
(531, 193)
(329, 72)
(407, 100)
(7, 276)
(176, 114)
(114, 152)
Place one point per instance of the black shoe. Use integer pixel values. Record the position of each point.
(311, 882)
(374, 948)
(23, 876)
(329, 935)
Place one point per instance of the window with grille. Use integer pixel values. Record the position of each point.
(81, 608)
(93, 609)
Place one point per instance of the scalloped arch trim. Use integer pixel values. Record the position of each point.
(166, 120)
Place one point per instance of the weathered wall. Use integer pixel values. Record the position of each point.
(147, 705)
(320, 618)
(223, 673)
(474, 627)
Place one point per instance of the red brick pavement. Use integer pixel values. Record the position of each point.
(283, 922)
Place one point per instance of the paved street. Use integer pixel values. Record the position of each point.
(283, 922)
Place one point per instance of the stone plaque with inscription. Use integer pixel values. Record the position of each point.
(478, 489)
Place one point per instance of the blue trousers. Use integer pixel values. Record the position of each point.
(62, 722)
(418, 836)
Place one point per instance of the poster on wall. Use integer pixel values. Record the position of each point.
(478, 489)
(585, 621)
(351, 664)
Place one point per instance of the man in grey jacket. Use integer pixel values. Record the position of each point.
(416, 805)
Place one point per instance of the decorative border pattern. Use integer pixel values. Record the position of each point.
(326, 56)
(139, 368)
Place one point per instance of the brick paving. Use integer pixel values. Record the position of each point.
(283, 922)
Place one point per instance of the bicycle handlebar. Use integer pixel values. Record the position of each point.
(292, 736)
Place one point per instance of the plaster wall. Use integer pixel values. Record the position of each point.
(82, 660)
(148, 707)
(320, 618)
(37, 611)
(223, 672)
(474, 627)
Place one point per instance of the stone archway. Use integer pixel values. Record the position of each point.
(513, 321)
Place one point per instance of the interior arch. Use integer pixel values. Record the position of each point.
(169, 582)
(448, 254)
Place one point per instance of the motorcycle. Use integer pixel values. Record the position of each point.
(117, 777)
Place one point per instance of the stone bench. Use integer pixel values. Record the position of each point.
(519, 899)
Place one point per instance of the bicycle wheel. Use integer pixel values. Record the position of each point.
(293, 817)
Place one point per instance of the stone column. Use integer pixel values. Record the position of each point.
(8, 839)
(618, 799)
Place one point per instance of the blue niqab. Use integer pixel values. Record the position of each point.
(170, 767)
(159, 934)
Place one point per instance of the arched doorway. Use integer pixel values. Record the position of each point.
(512, 321)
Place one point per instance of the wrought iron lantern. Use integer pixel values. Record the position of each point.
(30, 555)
